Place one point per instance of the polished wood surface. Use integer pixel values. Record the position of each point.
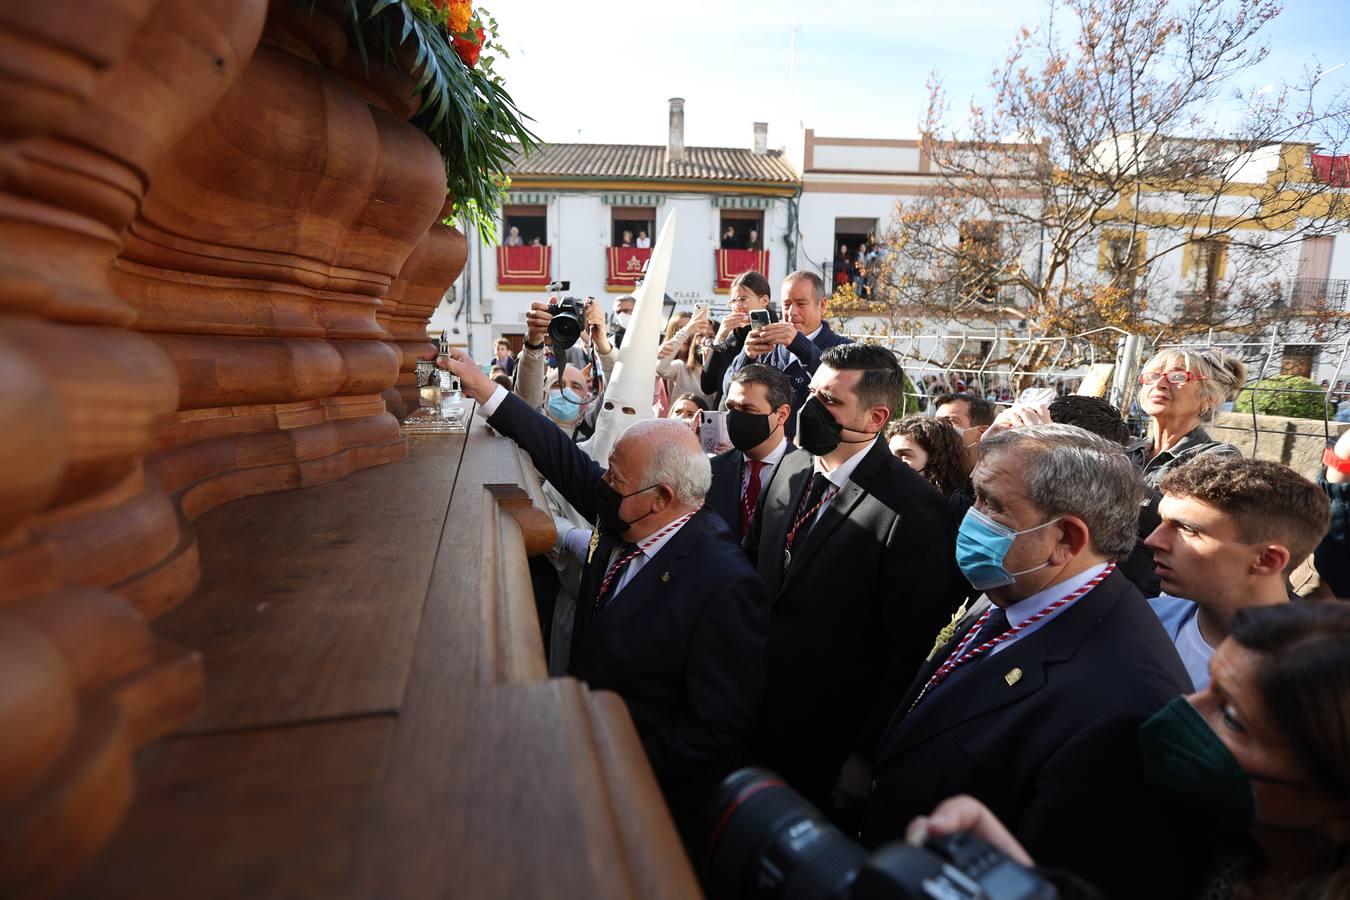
(236, 657)
(442, 765)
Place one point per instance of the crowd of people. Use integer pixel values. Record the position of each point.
(1016, 620)
(857, 267)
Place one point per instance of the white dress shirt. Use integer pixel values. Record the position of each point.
(577, 541)
(837, 478)
(774, 458)
(1027, 607)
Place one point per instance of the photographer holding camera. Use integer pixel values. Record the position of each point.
(537, 387)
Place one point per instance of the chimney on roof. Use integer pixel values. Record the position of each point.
(675, 143)
(761, 138)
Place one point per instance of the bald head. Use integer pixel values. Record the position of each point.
(664, 451)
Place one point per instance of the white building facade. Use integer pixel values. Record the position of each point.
(576, 201)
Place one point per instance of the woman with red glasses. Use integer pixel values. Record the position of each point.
(1179, 389)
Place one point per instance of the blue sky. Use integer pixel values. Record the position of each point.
(602, 71)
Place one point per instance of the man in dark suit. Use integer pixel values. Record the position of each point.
(670, 615)
(1030, 702)
(794, 345)
(757, 409)
(856, 551)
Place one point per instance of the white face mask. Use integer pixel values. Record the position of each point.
(622, 319)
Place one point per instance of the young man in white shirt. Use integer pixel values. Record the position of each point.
(1232, 530)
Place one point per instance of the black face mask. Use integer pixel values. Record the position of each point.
(817, 431)
(748, 430)
(607, 502)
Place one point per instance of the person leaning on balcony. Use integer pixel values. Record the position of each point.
(1179, 389)
(749, 291)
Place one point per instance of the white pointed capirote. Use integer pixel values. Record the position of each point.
(628, 396)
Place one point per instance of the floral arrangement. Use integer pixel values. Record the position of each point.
(465, 108)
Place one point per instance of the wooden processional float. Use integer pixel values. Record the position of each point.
(220, 243)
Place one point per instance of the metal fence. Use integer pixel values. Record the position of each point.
(999, 365)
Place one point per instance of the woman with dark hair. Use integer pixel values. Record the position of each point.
(749, 291)
(686, 408)
(1256, 767)
(933, 448)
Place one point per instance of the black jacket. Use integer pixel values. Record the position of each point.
(724, 497)
(682, 643)
(798, 361)
(854, 614)
(1333, 554)
(1044, 734)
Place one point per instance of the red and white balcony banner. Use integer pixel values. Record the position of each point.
(625, 265)
(524, 266)
(731, 263)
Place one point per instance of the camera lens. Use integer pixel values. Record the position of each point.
(564, 329)
(767, 841)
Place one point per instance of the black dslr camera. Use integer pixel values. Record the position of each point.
(768, 842)
(569, 317)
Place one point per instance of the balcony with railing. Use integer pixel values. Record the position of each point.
(524, 268)
(625, 266)
(733, 263)
(1317, 293)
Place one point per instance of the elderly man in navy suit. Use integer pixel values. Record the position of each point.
(1031, 701)
(794, 345)
(670, 614)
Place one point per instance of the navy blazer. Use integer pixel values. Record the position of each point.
(682, 643)
(1044, 734)
(724, 496)
(799, 361)
(854, 614)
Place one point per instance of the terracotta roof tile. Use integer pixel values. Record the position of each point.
(639, 161)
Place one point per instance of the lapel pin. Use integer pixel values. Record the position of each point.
(1013, 677)
(665, 576)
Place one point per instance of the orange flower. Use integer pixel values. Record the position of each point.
(461, 11)
(468, 50)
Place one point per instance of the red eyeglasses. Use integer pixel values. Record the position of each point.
(1175, 376)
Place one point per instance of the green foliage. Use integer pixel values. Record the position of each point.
(1286, 395)
(466, 111)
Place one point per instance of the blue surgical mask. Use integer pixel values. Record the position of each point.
(564, 406)
(981, 546)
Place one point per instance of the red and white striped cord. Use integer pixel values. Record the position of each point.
(961, 655)
(631, 555)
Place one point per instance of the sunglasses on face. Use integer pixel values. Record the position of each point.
(1175, 376)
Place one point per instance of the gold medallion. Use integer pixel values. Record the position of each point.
(1013, 677)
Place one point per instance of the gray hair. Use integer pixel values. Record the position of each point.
(675, 459)
(1070, 471)
(1222, 374)
(817, 285)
